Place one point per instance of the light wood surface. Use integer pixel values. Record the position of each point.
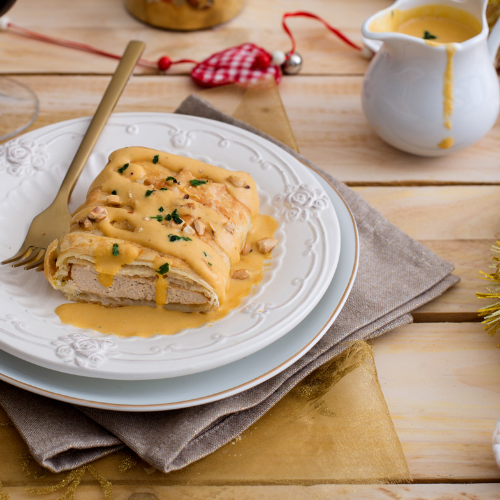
(440, 377)
(442, 387)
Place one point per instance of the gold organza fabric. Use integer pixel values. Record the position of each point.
(334, 427)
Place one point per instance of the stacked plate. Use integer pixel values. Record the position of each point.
(304, 288)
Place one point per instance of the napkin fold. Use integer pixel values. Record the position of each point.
(396, 275)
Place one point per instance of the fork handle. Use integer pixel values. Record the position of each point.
(115, 88)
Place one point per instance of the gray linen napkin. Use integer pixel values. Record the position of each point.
(396, 275)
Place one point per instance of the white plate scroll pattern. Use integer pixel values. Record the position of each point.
(19, 157)
(299, 273)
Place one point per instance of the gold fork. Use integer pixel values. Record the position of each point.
(54, 221)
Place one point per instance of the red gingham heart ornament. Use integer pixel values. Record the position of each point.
(246, 63)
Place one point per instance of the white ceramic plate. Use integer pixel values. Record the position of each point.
(300, 271)
(206, 387)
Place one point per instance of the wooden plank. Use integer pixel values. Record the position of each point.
(485, 491)
(325, 114)
(108, 25)
(459, 303)
(439, 213)
(332, 131)
(462, 233)
(442, 387)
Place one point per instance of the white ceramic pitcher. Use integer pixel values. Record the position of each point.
(403, 88)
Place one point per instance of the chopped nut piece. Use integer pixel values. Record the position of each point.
(114, 199)
(241, 274)
(188, 219)
(246, 249)
(156, 183)
(188, 230)
(212, 227)
(199, 226)
(266, 244)
(230, 227)
(236, 181)
(98, 214)
(85, 223)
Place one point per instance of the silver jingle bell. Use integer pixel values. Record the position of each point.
(293, 64)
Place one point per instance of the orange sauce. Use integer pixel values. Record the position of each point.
(446, 143)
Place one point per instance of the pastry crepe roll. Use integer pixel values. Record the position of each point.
(155, 229)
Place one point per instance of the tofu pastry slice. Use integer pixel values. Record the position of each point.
(155, 229)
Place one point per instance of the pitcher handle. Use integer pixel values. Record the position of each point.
(494, 41)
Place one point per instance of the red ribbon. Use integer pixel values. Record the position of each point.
(302, 13)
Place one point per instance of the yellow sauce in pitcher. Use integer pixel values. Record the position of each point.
(439, 23)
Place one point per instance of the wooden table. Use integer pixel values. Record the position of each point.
(440, 376)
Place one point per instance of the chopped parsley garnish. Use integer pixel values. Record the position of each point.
(196, 182)
(174, 237)
(122, 169)
(205, 254)
(149, 193)
(115, 250)
(114, 191)
(174, 216)
(163, 189)
(159, 218)
(161, 209)
(210, 264)
(164, 269)
(170, 178)
(429, 36)
(156, 158)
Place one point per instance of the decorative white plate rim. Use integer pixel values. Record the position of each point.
(174, 393)
(31, 330)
